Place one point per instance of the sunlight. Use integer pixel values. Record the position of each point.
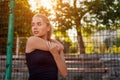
(72, 34)
(46, 3)
(36, 4)
(33, 5)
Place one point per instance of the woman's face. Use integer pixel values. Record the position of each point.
(39, 27)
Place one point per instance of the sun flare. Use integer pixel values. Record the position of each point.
(36, 4)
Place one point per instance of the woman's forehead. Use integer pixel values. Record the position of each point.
(38, 19)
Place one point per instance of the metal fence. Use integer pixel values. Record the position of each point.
(100, 62)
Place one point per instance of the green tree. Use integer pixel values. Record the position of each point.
(87, 16)
(23, 16)
(63, 38)
(68, 16)
(107, 42)
(105, 14)
(116, 42)
(4, 13)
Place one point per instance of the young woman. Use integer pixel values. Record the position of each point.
(44, 55)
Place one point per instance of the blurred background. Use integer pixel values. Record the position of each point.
(88, 29)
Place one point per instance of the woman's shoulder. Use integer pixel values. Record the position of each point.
(31, 42)
(34, 42)
(32, 38)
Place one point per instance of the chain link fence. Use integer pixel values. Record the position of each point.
(100, 62)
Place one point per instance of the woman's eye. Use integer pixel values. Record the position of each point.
(39, 23)
(32, 24)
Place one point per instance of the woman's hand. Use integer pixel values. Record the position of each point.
(61, 47)
(53, 48)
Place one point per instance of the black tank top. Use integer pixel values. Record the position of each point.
(41, 65)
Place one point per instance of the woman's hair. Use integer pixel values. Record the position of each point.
(46, 20)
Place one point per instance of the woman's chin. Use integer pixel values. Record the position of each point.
(36, 35)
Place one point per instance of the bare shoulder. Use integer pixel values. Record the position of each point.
(36, 43)
(33, 38)
(31, 43)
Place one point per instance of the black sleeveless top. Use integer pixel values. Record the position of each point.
(41, 65)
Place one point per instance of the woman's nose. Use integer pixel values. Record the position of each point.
(35, 28)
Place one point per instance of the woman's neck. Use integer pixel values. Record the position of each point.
(43, 37)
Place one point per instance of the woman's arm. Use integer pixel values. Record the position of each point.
(63, 62)
(60, 64)
(59, 59)
(36, 43)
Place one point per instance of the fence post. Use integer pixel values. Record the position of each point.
(8, 72)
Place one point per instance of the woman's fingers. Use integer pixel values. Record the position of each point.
(48, 44)
(53, 46)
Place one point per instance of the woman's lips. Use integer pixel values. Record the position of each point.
(36, 32)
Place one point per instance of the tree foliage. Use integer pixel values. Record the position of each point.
(22, 24)
(104, 13)
(4, 13)
(87, 16)
(116, 42)
(23, 16)
(68, 16)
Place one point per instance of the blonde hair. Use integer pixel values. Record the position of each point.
(46, 20)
